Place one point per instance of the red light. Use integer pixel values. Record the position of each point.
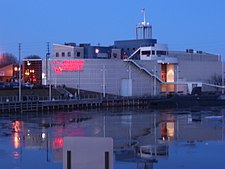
(57, 143)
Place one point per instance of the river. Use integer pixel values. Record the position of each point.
(180, 139)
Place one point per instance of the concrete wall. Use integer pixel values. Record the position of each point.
(92, 77)
(201, 71)
(185, 56)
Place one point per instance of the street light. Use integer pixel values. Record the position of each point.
(48, 79)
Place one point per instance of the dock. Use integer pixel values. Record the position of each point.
(70, 104)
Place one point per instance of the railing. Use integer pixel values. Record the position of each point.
(144, 69)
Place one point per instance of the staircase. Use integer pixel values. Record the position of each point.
(143, 69)
(63, 92)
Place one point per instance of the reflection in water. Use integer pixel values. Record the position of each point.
(142, 138)
(16, 129)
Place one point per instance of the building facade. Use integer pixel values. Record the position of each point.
(140, 67)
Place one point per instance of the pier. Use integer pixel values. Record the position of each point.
(9, 105)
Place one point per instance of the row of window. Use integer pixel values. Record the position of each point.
(66, 54)
(128, 49)
(148, 52)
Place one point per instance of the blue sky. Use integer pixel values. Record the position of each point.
(182, 24)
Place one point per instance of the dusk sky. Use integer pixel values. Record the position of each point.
(199, 25)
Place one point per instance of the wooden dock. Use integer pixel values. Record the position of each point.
(72, 104)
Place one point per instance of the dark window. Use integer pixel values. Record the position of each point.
(78, 54)
(160, 52)
(153, 52)
(69, 54)
(145, 53)
(63, 54)
(56, 54)
(115, 55)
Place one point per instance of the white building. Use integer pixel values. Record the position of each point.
(140, 67)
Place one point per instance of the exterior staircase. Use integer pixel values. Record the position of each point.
(144, 69)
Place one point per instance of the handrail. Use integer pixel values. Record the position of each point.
(134, 53)
(144, 69)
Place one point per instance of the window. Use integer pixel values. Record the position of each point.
(69, 54)
(153, 52)
(57, 54)
(145, 52)
(63, 54)
(78, 54)
(115, 55)
(160, 52)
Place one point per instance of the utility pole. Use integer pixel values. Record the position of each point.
(103, 81)
(48, 78)
(222, 76)
(154, 81)
(20, 72)
(47, 57)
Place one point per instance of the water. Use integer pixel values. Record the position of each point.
(179, 139)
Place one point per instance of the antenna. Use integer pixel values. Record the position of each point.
(144, 28)
(143, 11)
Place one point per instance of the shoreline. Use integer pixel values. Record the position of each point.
(176, 101)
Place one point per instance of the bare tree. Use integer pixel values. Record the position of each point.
(7, 59)
(33, 57)
(216, 79)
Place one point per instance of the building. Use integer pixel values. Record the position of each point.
(9, 73)
(140, 67)
(32, 71)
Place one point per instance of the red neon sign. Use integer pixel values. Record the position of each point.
(67, 65)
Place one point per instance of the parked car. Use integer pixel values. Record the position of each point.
(2, 85)
(28, 85)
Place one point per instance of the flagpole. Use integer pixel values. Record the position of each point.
(144, 17)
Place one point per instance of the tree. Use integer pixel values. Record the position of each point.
(7, 59)
(33, 57)
(215, 79)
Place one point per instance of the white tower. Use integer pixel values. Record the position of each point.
(144, 29)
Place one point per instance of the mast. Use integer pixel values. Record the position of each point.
(144, 29)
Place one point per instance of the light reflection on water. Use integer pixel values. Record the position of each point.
(166, 139)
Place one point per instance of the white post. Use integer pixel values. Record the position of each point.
(49, 79)
(222, 76)
(104, 119)
(78, 87)
(129, 73)
(20, 72)
(177, 77)
(103, 81)
(154, 85)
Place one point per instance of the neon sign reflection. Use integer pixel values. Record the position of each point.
(67, 65)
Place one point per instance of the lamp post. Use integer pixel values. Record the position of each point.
(177, 78)
(19, 72)
(48, 78)
(154, 81)
(103, 81)
(222, 77)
